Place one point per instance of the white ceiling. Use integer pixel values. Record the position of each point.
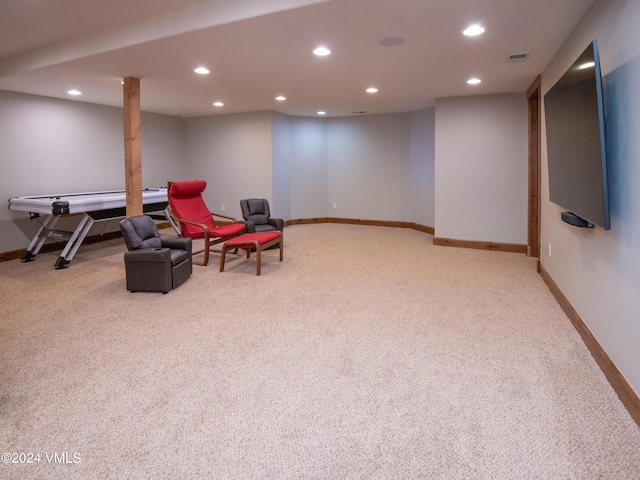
(258, 49)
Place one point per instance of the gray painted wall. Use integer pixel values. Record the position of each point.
(481, 168)
(598, 271)
(422, 178)
(369, 164)
(233, 153)
(301, 165)
(309, 170)
(389, 159)
(373, 167)
(60, 146)
(281, 163)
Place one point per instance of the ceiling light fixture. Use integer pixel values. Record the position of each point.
(322, 51)
(280, 98)
(473, 30)
(218, 104)
(321, 112)
(74, 92)
(372, 90)
(474, 81)
(202, 70)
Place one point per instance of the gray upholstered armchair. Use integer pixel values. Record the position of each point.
(257, 216)
(153, 264)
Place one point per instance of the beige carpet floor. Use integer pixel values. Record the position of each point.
(368, 353)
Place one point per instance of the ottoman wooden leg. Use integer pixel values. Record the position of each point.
(248, 244)
(258, 258)
(222, 257)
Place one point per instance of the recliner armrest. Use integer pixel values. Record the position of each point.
(277, 223)
(181, 243)
(148, 255)
(251, 226)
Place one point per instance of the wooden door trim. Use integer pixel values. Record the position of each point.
(533, 220)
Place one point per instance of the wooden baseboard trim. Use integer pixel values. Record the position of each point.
(306, 221)
(357, 221)
(52, 247)
(422, 228)
(11, 255)
(627, 395)
(495, 246)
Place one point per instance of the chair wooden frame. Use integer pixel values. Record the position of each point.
(209, 239)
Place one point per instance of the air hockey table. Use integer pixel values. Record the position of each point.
(94, 207)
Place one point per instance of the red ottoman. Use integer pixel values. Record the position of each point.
(248, 241)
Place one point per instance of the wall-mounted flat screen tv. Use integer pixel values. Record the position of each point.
(574, 117)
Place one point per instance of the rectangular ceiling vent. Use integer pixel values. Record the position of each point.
(518, 57)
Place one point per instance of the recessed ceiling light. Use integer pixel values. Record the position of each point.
(474, 81)
(74, 92)
(473, 30)
(202, 70)
(218, 104)
(280, 98)
(372, 90)
(321, 112)
(322, 51)
(391, 41)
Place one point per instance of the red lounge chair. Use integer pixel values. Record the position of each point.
(187, 207)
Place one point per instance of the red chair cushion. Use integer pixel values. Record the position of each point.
(188, 188)
(261, 238)
(186, 201)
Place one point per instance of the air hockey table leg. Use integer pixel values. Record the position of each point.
(174, 224)
(39, 239)
(74, 242)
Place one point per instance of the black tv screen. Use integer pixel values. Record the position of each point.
(574, 117)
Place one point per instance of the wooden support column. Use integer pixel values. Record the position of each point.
(132, 149)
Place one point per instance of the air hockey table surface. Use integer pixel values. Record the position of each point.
(94, 207)
(70, 203)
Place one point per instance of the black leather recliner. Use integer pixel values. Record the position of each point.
(152, 263)
(257, 216)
